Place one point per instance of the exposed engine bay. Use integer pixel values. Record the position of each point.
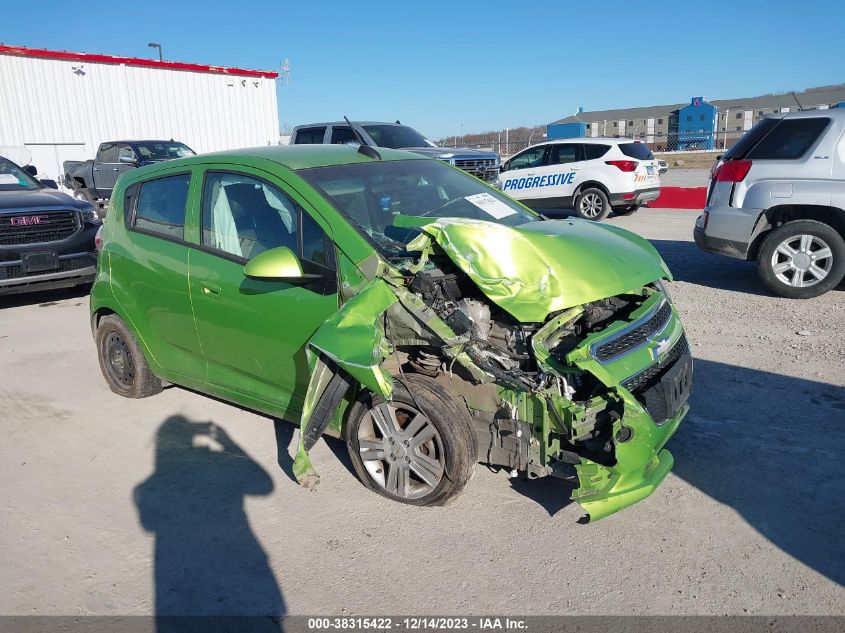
(502, 347)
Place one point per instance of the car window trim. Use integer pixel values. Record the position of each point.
(243, 260)
(140, 183)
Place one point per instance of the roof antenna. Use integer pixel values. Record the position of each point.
(792, 92)
(363, 147)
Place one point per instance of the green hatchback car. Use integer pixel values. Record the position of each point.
(399, 303)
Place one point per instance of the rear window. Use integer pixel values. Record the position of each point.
(789, 140)
(640, 151)
(593, 151)
(161, 206)
(309, 136)
(750, 139)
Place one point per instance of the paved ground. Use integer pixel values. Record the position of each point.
(107, 505)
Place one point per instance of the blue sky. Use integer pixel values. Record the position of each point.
(487, 65)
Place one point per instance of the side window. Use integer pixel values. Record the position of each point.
(161, 205)
(341, 135)
(124, 152)
(594, 151)
(529, 158)
(107, 153)
(244, 216)
(316, 246)
(310, 136)
(790, 139)
(565, 153)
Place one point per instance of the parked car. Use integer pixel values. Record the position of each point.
(483, 164)
(397, 302)
(591, 175)
(778, 197)
(94, 179)
(46, 236)
(662, 166)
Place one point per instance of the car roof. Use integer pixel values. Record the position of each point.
(805, 114)
(591, 139)
(306, 156)
(345, 124)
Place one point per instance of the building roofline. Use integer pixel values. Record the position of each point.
(43, 53)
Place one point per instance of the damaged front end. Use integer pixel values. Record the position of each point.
(558, 337)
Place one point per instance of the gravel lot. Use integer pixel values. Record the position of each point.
(106, 509)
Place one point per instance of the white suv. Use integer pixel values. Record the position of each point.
(778, 196)
(591, 175)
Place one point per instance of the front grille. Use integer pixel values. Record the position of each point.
(634, 337)
(484, 168)
(654, 372)
(37, 228)
(653, 393)
(65, 265)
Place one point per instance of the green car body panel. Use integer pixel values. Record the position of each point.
(273, 344)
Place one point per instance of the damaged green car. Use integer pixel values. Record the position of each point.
(399, 303)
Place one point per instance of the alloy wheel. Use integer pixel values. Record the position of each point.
(401, 450)
(802, 260)
(591, 205)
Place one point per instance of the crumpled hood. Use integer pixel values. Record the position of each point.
(543, 267)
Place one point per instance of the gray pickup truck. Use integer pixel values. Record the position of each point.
(483, 164)
(94, 179)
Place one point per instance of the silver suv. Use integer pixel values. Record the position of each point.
(778, 196)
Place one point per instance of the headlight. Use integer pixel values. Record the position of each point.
(90, 216)
(663, 287)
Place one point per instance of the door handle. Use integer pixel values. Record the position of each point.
(575, 168)
(96, 169)
(529, 173)
(209, 289)
(114, 168)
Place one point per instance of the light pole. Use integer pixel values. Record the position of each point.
(158, 46)
(462, 135)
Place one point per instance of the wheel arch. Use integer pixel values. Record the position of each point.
(591, 184)
(776, 216)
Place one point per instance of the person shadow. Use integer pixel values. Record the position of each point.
(210, 568)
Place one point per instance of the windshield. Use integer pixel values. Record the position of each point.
(13, 178)
(396, 136)
(163, 151)
(370, 195)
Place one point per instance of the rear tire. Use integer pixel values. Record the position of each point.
(420, 449)
(627, 210)
(802, 259)
(122, 361)
(592, 204)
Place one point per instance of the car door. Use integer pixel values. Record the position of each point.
(104, 169)
(254, 332)
(150, 272)
(518, 179)
(565, 160)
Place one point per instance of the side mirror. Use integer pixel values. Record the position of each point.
(503, 166)
(50, 184)
(30, 169)
(127, 160)
(278, 264)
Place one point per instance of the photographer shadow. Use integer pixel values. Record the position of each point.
(208, 562)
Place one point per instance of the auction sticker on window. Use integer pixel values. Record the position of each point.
(490, 205)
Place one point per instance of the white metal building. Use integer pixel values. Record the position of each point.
(57, 105)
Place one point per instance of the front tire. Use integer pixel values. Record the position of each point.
(122, 361)
(592, 204)
(418, 449)
(802, 259)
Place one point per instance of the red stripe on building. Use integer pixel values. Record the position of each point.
(680, 198)
(23, 51)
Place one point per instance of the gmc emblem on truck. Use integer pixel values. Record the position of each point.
(28, 220)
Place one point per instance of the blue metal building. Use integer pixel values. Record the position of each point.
(696, 125)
